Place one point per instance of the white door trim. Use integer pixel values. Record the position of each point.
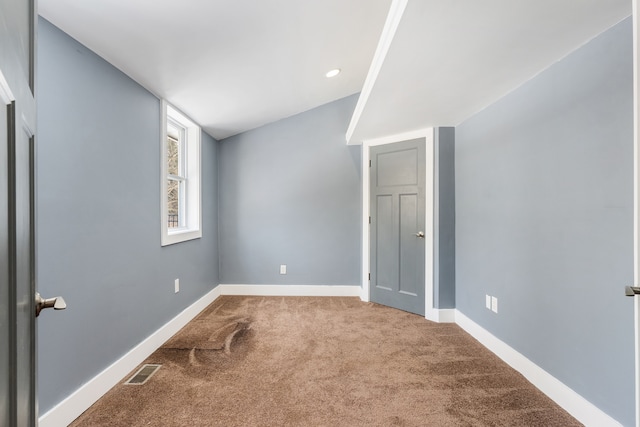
(427, 134)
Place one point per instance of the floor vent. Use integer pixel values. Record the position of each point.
(143, 374)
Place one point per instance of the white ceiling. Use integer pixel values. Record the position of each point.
(231, 65)
(450, 59)
(235, 65)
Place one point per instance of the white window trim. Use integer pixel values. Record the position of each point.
(193, 197)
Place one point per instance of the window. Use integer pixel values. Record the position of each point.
(181, 208)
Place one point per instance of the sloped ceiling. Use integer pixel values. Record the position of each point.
(439, 62)
(231, 65)
(236, 65)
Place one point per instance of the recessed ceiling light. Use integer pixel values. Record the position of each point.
(333, 73)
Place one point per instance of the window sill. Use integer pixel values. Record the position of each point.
(179, 236)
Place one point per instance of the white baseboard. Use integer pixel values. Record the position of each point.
(79, 401)
(364, 294)
(445, 315)
(292, 290)
(580, 408)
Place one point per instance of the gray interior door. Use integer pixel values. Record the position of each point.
(397, 179)
(17, 234)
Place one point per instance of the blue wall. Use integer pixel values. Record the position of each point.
(544, 220)
(291, 195)
(99, 217)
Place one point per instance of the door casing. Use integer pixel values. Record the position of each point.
(428, 135)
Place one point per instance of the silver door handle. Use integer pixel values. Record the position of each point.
(420, 234)
(56, 303)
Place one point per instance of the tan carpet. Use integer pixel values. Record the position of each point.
(314, 361)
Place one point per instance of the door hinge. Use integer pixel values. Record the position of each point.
(369, 276)
(369, 163)
(369, 220)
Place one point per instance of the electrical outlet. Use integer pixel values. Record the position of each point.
(494, 304)
(177, 286)
(283, 269)
(487, 301)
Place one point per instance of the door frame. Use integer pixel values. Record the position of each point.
(428, 134)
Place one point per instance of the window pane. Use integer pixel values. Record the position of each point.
(173, 203)
(173, 156)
